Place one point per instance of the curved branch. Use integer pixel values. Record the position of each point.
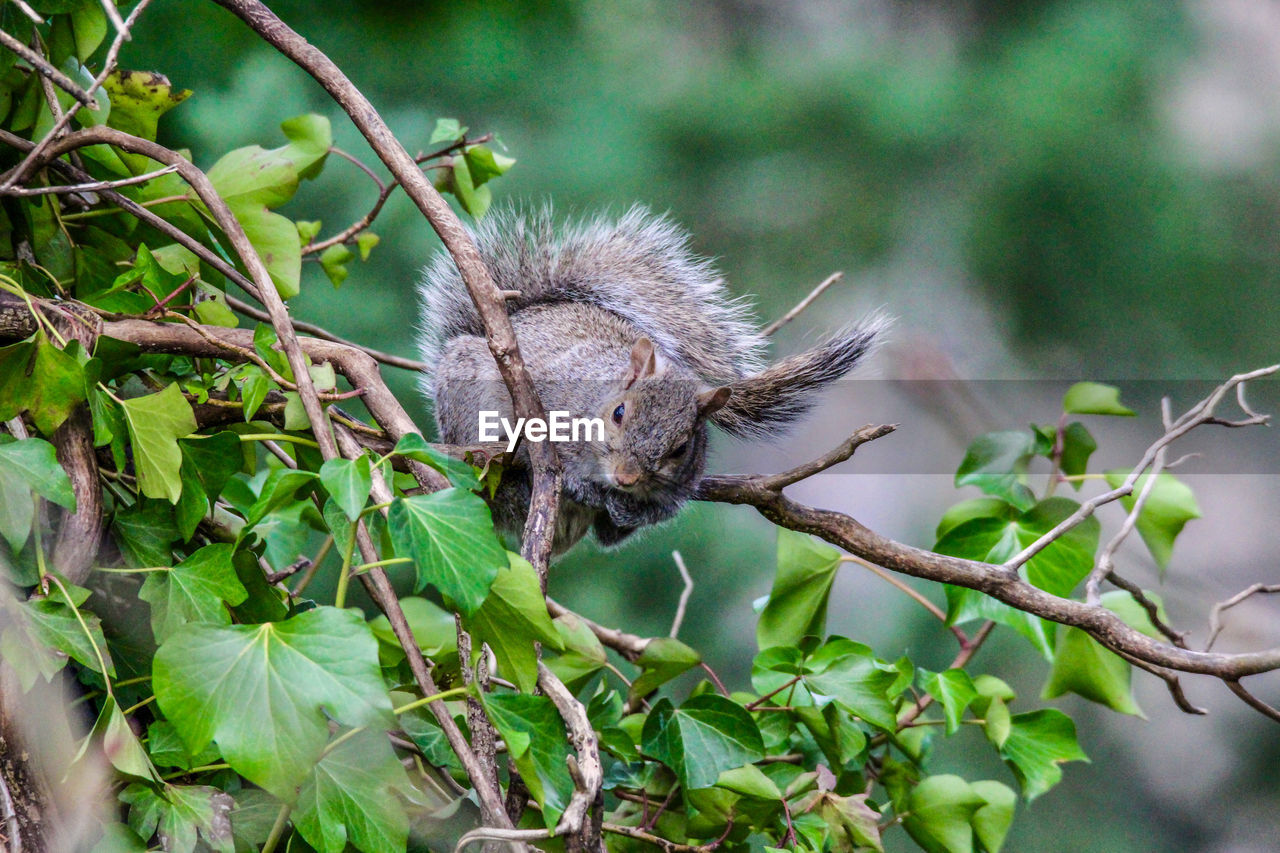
(997, 581)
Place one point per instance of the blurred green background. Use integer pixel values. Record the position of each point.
(1036, 188)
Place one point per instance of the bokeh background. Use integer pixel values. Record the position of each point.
(1039, 190)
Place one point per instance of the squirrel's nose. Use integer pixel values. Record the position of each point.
(626, 474)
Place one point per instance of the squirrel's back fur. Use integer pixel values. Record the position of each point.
(639, 267)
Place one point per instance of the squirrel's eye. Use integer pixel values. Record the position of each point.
(618, 412)
(679, 450)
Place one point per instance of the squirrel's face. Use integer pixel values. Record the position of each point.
(655, 428)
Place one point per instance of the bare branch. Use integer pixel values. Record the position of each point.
(32, 14)
(630, 646)
(1252, 701)
(1172, 682)
(1215, 617)
(88, 186)
(802, 304)
(1178, 638)
(47, 71)
(678, 619)
(588, 775)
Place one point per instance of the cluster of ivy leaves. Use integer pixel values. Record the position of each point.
(238, 713)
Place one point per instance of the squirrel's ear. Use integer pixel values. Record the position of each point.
(713, 400)
(644, 361)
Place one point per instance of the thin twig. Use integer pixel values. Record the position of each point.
(802, 304)
(1252, 701)
(1215, 617)
(678, 619)
(46, 70)
(88, 186)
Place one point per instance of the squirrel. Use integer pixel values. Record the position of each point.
(617, 320)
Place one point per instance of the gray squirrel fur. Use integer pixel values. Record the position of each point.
(615, 317)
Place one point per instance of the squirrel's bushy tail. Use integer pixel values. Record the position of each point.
(767, 402)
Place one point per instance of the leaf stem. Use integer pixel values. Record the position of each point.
(442, 696)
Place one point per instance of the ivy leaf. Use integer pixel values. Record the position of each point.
(53, 622)
(280, 487)
(119, 744)
(1094, 398)
(939, 814)
(37, 377)
(351, 795)
(797, 605)
(1038, 742)
(1168, 508)
(446, 130)
(513, 619)
(583, 654)
(536, 739)
(181, 814)
(854, 826)
(276, 241)
(433, 627)
(214, 459)
(663, 659)
(991, 822)
(954, 690)
(145, 533)
(156, 422)
(255, 177)
(1077, 446)
(26, 466)
(166, 748)
(449, 535)
(264, 693)
(1084, 666)
(749, 781)
(701, 739)
(193, 591)
(333, 261)
(365, 242)
(348, 482)
(485, 164)
(138, 99)
(413, 446)
(997, 464)
(849, 673)
(253, 390)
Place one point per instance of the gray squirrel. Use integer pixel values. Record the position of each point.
(616, 320)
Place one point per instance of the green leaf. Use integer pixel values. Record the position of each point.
(849, 673)
(475, 199)
(119, 744)
(89, 25)
(333, 261)
(701, 739)
(446, 130)
(138, 99)
(971, 509)
(280, 487)
(181, 814)
(749, 781)
(991, 822)
(52, 622)
(26, 466)
(193, 591)
(214, 311)
(513, 619)
(1084, 666)
(254, 177)
(954, 690)
(854, 826)
(1094, 398)
(145, 533)
(415, 447)
(156, 422)
(536, 741)
(166, 748)
(484, 164)
(276, 241)
(1166, 511)
(797, 605)
(264, 693)
(1038, 742)
(351, 795)
(253, 390)
(583, 654)
(348, 482)
(433, 627)
(214, 459)
(663, 659)
(449, 535)
(997, 464)
(37, 377)
(1077, 446)
(192, 504)
(365, 242)
(939, 815)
